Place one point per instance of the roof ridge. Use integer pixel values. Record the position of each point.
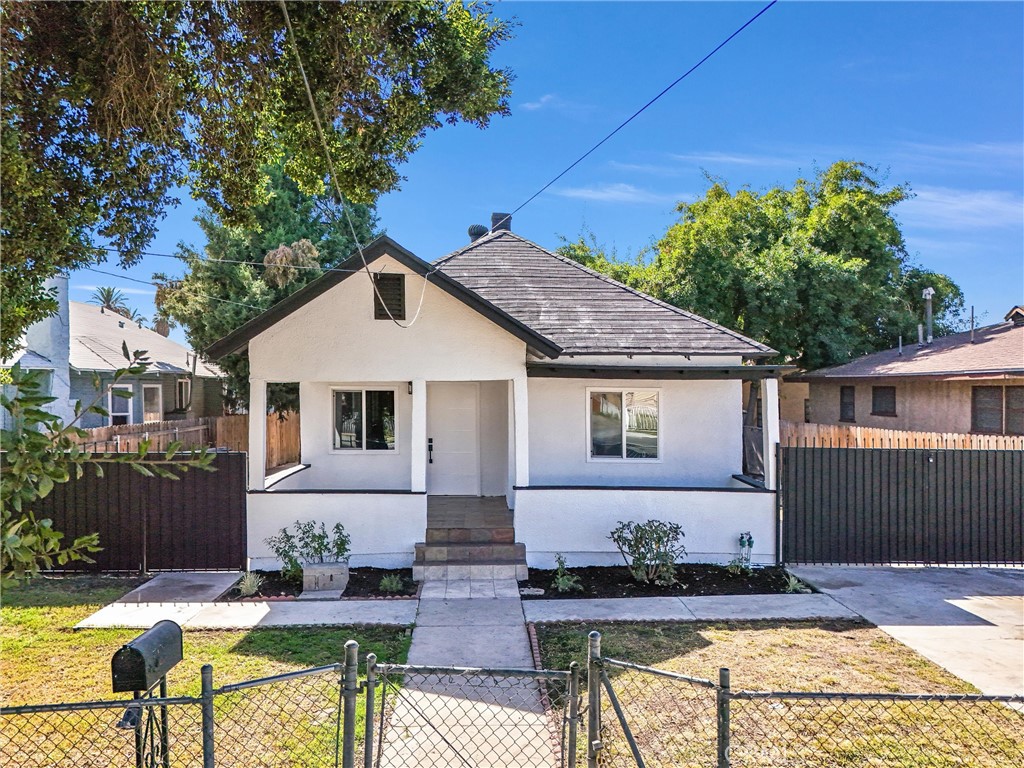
(610, 281)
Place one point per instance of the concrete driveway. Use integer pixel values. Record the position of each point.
(969, 621)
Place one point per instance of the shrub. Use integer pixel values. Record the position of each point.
(250, 584)
(650, 549)
(565, 581)
(392, 583)
(309, 544)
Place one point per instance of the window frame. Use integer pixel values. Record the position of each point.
(129, 403)
(1004, 408)
(874, 411)
(182, 403)
(622, 392)
(852, 388)
(362, 389)
(160, 401)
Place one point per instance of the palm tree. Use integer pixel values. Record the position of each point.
(110, 298)
(134, 315)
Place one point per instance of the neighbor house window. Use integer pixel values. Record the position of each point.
(847, 410)
(364, 420)
(997, 410)
(883, 401)
(623, 424)
(120, 404)
(184, 394)
(389, 297)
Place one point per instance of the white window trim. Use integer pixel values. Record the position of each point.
(128, 401)
(160, 399)
(364, 451)
(624, 459)
(181, 403)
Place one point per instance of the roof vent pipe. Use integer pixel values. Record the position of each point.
(501, 222)
(476, 231)
(927, 294)
(972, 323)
(920, 335)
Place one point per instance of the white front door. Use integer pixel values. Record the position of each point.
(453, 438)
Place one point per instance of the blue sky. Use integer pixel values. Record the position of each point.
(930, 93)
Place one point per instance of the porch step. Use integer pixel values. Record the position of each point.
(459, 571)
(470, 553)
(472, 535)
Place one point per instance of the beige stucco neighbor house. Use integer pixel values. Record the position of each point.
(971, 382)
(502, 405)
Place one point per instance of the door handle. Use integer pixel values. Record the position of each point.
(430, 450)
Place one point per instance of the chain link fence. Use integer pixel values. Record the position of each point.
(421, 717)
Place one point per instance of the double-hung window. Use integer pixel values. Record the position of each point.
(623, 424)
(997, 410)
(120, 402)
(364, 420)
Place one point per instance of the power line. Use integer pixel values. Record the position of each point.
(157, 285)
(636, 114)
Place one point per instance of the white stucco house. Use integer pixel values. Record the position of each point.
(502, 405)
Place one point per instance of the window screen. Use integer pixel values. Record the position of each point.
(883, 401)
(987, 409)
(847, 411)
(1015, 410)
(120, 405)
(390, 293)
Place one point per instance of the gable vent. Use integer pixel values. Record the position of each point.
(390, 293)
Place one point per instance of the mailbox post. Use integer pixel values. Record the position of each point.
(141, 667)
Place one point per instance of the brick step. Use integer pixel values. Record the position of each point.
(455, 571)
(470, 553)
(445, 536)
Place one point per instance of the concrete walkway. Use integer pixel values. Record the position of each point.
(969, 621)
(183, 587)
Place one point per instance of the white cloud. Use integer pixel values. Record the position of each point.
(618, 193)
(732, 158)
(548, 99)
(988, 155)
(554, 103)
(948, 208)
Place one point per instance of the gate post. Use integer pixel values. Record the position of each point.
(722, 701)
(349, 691)
(574, 712)
(371, 697)
(593, 699)
(207, 694)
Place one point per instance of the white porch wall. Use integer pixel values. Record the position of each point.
(701, 440)
(334, 338)
(576, 523)
(384, 527)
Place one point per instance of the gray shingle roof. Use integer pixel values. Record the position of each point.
(583, 311)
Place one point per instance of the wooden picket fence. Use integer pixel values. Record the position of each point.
(799, 435)
(222, 432)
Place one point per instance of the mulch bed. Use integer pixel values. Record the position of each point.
(362, 583)
(692, 581)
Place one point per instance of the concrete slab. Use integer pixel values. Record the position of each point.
(969, 621)
(140, 615)
(767, 607)
(609, 609)
(185, 587)
(506, 647)
(469, 613)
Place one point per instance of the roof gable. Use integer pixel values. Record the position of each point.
(583, 311)
(237, 340)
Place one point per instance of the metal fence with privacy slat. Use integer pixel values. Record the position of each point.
(877, 506)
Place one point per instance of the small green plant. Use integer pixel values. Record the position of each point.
(565, 581)
(740, 565)
(309, 544)
(250, 584)
(651, 549)
(391, 584)
(796, 587)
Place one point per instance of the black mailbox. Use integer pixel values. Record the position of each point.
(140, 664)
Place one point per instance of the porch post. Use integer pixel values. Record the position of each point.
(418, 453)
(769, 428)
(257, 434)
(522, 430)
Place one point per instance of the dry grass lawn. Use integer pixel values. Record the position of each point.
(675, 723)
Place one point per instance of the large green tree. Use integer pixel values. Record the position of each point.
(108, 108)
(819, 271)
(244, 270)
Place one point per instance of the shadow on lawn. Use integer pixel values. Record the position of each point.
(53, 591)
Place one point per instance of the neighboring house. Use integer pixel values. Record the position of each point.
(971, 382)
(506, 371)
(82, 342)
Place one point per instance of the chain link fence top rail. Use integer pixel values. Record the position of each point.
(439, 716)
